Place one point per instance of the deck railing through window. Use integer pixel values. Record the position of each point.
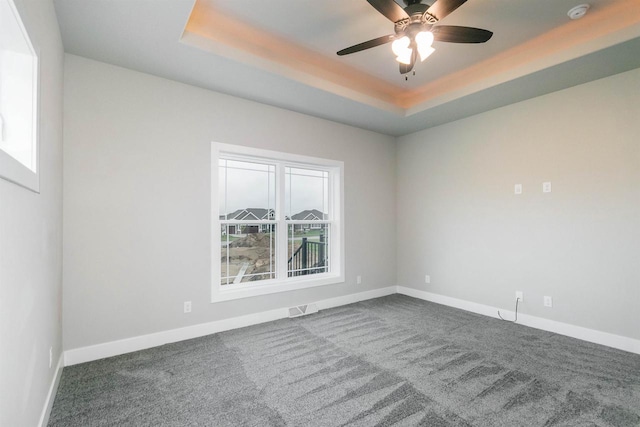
(309, 258)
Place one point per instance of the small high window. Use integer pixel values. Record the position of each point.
(277, 222)
(18, 100)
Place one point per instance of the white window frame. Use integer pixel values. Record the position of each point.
(11, 169)
(336, 221)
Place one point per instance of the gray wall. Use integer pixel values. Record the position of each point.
(460, 222)
(137, 194)
(137, 200)
(31, 246)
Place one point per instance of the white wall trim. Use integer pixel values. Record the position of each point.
(142, 342)
(336, 212)
(585, 334)
(51, 396)
(352, 298)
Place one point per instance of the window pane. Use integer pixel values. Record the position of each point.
(247, 190)
(248, 252)
(16, 107)
(308, 249)
(306, 194)
(18, 89)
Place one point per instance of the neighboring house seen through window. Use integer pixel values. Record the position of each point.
(279, 222)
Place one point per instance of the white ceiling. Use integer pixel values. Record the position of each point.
(535, 49)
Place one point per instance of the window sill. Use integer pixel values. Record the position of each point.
(221, 293)
(13, 171)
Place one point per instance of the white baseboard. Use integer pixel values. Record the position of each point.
(51, 395)
(142, 342)
(585, 334)
(352, 298)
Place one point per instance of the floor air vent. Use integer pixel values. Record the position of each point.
(301, 310)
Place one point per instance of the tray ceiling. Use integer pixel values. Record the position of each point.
(283, 53)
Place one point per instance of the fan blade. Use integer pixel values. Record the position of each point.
(367, 45)
(405, 68)
(390, 9)
(454, 34)
(442, 8)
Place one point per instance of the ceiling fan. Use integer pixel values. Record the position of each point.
(415, 30)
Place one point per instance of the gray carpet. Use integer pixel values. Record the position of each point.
(390, 361)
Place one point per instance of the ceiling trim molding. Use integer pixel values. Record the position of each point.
(209, 29)
(213, 31)
(599, 29)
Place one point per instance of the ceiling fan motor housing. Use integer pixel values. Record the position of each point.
(418, 18)
(412, 2)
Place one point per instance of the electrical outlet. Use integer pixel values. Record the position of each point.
(359, 280)
(187, 306)
(427, 279)
(519, 296)
(50, 357)
(546, 187)
(548, 301)
(517, 189)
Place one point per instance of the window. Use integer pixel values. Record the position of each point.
(277, 222)
(18, 100)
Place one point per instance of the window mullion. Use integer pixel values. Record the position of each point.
(281, 227)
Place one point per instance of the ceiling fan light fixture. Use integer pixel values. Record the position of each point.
(400, 48)
(405, 58)
(424, 39)
(425, 52)
(401, 45)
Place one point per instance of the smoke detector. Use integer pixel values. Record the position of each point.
(578, 11)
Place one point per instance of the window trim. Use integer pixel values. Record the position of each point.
(337, 254)
(10, 168)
